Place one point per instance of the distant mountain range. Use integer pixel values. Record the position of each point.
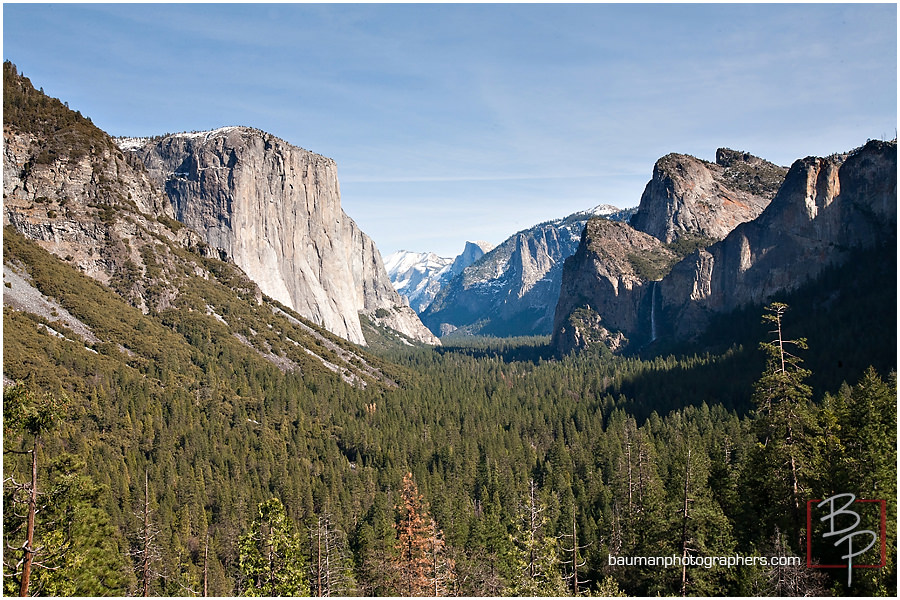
(512, 289)
(419, 276)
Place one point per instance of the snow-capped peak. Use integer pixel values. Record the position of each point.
(402, 261)
(603, 210)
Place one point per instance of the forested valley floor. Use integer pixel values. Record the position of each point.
(177, 462)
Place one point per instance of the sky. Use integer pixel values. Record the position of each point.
(473, 121)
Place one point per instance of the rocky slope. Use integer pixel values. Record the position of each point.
(513, 289)
(689, 196)
(603, 286)
(71, 190)
(419, 276)
(825, 208)
(274, 209)
(78, 211)
(68, 187)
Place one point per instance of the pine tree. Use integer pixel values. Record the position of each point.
(271, 555)
(31, 415)
(700, 527)
(859, 456)
(785, 423)
(58, 514)
(491, 556)
(539, 573)
(376, 551)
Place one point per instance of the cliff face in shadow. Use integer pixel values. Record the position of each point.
(825, 208)
(604, 286)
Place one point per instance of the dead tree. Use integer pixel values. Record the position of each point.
(330, 559)
(23, 566)
(147, 552)
(25, 412)
(685, 516)
(574, 558)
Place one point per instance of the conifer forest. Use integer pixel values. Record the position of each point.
(485, 468)
(169, 453)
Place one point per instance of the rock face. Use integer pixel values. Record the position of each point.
(689, 196)
(419, 276)
(471, 254)
(603, 288)
(274, 209)
(825, 208)
(70, 189)
(513, 289)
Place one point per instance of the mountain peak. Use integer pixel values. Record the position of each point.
(691, 197)
(419, 276)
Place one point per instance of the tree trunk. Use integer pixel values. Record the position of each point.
(205, 564)
(319, 558)
(684, 520)
(574, 554)
(29, 540)
(146, 565)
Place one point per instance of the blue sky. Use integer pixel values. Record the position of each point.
(470, 122)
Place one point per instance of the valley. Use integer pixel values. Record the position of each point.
(206, 359)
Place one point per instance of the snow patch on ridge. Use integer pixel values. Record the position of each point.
(128, 144)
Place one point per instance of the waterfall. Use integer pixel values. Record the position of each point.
(653, 294)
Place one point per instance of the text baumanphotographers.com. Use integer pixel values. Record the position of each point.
(708, 562)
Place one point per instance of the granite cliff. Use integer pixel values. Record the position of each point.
(78, 211)
(68, 186)
(603, 286)
(693, 197)
(274, 209)
(824, 209)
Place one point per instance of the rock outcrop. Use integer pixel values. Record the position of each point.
(604, 287)
(825, 208)
(70, 189)
(274, 209)
(689, 196)
(513, 289)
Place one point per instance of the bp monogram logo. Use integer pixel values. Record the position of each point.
(843, 532)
